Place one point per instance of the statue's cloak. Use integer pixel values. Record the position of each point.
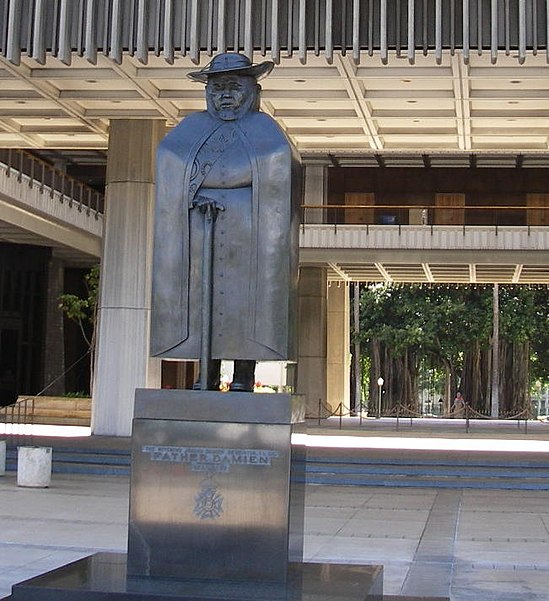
(268, 280)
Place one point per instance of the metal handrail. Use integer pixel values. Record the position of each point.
(523, 216)
(50, 180)
(19, 416)
(426, 207)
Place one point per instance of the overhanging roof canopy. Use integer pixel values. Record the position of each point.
(359, 82)
(338, 109)
(344, 85)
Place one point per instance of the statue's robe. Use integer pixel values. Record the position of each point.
(251, 169)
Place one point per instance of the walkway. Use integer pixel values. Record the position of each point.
(476, 545)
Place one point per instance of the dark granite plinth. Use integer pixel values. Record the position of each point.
(217, 488)
(103, 577)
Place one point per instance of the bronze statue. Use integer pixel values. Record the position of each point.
(226, 226)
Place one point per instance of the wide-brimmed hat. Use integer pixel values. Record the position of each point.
(232, 62)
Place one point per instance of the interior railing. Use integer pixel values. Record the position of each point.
(18, 418)
(422, 214)
(49, 180)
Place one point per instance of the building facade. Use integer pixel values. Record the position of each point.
(423, 127)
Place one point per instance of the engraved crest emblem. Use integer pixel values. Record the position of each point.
(208, 502)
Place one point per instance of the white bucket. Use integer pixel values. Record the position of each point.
(34, 466)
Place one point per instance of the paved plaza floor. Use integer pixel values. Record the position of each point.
(471, 545)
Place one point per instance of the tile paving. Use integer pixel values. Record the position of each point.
(471, 545)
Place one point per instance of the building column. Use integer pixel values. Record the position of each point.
(123, 362)
(314, 192)
(311, 366)
(338, 347)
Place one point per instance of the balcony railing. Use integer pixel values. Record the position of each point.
(27, 168)
(428, 215)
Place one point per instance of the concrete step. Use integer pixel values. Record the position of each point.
(421, 468)
(385, 598)
(430, 482)
(66, 460)
(487, 471)
(350, 468)
(62, 411)
(408, 598)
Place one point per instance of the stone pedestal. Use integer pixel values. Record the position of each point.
(216, 511)
(34, 467)
(104, 577)
(2, 457)
(217, 489)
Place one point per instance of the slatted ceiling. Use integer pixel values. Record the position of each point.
(441, 273)
(405, 272)
(412, 28)
(361, 272)
(397, 118)
(446, 273)
(487, 274)
(393, 107)
(534, 274)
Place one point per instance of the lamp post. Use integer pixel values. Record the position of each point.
(380, 382)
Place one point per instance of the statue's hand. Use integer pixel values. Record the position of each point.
(207, 205)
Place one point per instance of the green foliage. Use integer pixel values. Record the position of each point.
(540, 337)
(439, 320)
(443, 323)
(83, 310)
(76, 395)
(518, 319)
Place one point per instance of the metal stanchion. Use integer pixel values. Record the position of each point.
(360, 409)
(340, 415)
(467, 417)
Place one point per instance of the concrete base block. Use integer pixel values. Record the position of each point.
(103, 576)
(34, 466)
(2, 457)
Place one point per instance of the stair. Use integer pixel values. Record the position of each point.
(427, 469)
(60, 411)
(345, 467)
(68, 460)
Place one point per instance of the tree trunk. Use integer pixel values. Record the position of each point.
(474, 377)
(400, 378)
(515, 372)
(376, 371)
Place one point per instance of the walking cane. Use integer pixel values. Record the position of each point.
(209, 208)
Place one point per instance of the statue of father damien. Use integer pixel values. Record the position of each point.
(226, 228)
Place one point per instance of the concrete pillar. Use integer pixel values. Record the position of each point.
(314, 192)
(338, 347)
(122, 362)
(54, 357)
(311, 367)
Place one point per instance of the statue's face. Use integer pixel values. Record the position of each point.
(231, 96)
